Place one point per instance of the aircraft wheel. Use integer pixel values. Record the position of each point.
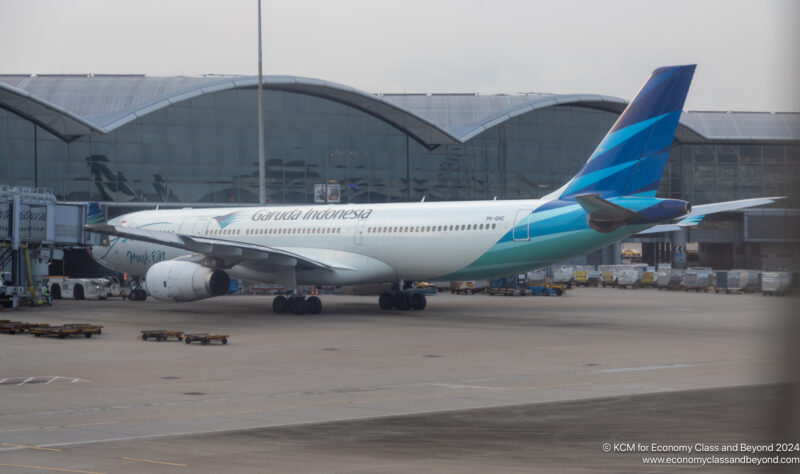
(418, 301)
(313, 305)
(386, 300)
(297, 305)
(403, 301)
(280, 304)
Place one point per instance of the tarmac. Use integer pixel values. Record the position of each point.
(472, 384)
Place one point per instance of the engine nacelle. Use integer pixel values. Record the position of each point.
(185, 281)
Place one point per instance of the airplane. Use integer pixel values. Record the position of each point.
(191, 254)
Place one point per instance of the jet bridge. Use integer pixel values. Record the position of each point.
(34, 229)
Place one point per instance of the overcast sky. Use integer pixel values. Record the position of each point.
(748, 52)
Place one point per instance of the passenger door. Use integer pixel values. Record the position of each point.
(358, 237)
(521, 230)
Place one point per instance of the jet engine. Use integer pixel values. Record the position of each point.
(185, 281)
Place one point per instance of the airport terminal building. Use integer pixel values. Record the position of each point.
(132, 141)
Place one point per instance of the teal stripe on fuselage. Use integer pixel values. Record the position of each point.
(114, 241)
(522, 256)
(556, 234)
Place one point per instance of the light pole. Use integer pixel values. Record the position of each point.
(262, 189)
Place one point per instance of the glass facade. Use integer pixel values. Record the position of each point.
(705, 173)
(204, 150)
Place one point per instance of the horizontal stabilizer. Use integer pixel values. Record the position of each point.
(699, 212)
(704, 209)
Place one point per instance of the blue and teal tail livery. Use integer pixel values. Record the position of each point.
(94, 214)
(630, 160)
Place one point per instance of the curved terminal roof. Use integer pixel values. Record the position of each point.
(71, 106)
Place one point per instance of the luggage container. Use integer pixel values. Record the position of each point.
(564, 274)
(586, 275)
(539, 274)
(775, 283)
(462, 287)
(749, 280)
(629, 277)
(608, 275)
(593, 278)
(648, 279)
(697, 278)
(726, 280)
(669, 278)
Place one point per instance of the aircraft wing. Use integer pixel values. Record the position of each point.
(699, 212)
(231, 253)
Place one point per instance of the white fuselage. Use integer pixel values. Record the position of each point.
(378, 242)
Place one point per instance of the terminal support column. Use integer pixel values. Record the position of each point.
(679, 239)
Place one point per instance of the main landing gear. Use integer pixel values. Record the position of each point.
(297, 304)
(403, 300)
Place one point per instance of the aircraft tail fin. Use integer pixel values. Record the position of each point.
(94, 215)
(630, 160)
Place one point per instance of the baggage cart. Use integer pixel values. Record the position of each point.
(13, 327)
(775, 283)
(161, 334)
(204, 338)
(506, 292)
(87, 330)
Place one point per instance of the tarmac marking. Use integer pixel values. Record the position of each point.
(43, 468)
(454, 385)
(647, 367)
(93, 424)
(31, 447)
(154, 462)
